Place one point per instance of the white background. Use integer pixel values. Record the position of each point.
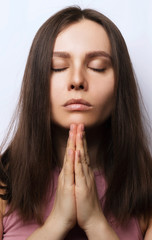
(20, 20)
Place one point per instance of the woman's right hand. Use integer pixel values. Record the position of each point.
(64, 208)
(63, 215)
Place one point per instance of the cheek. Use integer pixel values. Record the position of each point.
(104, 98)
(103, 92)
(57, 88)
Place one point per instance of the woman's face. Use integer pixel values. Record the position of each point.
(82, 79)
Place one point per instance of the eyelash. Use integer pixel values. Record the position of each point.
(94, 69)
(98, 69)
(58, 69)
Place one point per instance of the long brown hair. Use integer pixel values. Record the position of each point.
(27, 165)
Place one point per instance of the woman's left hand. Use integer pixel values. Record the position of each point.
(89, 211)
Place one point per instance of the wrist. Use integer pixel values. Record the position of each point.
(56, 227)
(100, 229)
(50, 230)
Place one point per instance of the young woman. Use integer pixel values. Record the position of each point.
(94, 181)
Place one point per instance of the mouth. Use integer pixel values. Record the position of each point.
(77, 105)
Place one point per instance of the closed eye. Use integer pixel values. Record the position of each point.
(98, 69)
(58, 69)
(63, 69)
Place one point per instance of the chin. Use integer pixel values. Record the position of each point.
(88, 121)
(87, 124)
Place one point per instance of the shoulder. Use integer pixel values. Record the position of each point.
(146, 228)
(148, 234)
(2, 212)
(2, 202)
(1, 217)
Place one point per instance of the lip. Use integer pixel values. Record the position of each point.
(77, 105)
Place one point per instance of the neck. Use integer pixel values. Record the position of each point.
(94, 137)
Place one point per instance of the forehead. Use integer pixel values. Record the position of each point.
(83, 36)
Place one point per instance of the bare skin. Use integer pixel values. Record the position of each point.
(76, 197)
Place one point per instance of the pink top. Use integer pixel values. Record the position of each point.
(15, 229)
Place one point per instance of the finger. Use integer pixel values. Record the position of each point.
(72, 136)
(90, 172)
(69, 168)
(73, 128)
(79, 140)
(70, 145)
(86, 149)
(80, 147)
(80, 128)
(80, 180)
(71, 140)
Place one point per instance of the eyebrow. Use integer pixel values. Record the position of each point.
(88, 55)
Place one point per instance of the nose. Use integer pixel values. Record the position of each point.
(78, 80)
